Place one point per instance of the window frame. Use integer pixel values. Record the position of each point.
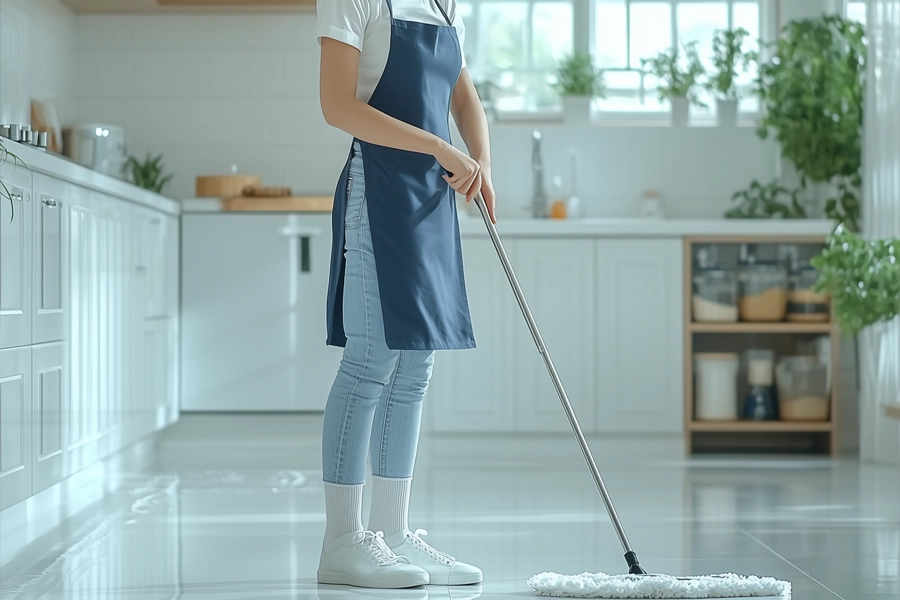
(583, 40)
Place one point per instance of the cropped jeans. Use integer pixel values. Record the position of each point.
(375, 404)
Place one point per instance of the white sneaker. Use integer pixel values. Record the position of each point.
(442, 568)
(362, 559)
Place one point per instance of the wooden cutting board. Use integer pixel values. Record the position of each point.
(283, 204)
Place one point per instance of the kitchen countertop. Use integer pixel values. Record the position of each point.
(60, 167)
(633, 227)
(605, 227)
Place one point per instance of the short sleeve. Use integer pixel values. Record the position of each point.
(342, 20)
(460, 27)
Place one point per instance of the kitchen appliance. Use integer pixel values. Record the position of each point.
(97, 146)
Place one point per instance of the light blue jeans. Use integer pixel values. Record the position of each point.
(375, 404)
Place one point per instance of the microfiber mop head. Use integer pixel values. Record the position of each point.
(601, 585)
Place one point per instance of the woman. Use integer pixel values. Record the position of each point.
(391, 72)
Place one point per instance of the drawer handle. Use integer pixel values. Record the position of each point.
(50, 202)
(304, 259)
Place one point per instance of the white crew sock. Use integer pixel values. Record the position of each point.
(390, 505)
(343, 509)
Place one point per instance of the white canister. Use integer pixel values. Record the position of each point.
(716, 386)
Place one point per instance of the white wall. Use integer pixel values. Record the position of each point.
(37, 43)
(212, 91)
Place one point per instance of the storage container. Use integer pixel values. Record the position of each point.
(763, 288)
(802, 388)
(803, 304)
(715, 295)
(716, 385)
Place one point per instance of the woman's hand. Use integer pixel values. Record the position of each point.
(465, 172)
(487, 191)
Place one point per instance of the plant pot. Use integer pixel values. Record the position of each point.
(681, 108)
(726, 112)
(576, 110)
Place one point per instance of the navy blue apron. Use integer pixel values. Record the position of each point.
(412, 210)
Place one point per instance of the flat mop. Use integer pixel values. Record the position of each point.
(637, 583)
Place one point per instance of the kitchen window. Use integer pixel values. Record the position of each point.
(513, 46)
(856, 11)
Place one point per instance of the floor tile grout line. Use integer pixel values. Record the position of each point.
(773, 551)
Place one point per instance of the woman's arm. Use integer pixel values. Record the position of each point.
(342, 109)
(471, 121)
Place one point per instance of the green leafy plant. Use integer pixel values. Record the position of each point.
(812, 91)
(771, 200)
(148, 173)
(6, 154)
(577, 76)
(675, 80)
(729, 60)
(862, 277)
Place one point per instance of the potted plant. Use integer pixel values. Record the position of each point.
(578, 83)
(766, 202)
(148, 173)
(677, 83)
(729, 60)
(862, 277)
(812, 94)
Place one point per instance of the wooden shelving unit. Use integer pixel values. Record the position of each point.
(724, 335)
(892, 410)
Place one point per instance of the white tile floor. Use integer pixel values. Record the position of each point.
(231, 508)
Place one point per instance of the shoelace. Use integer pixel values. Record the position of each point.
(373, 544)
(415, 538)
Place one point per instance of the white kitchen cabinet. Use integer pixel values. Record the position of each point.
(50, 257)
(253, 312)
(49, 378)
(557, 278)
(83, 416)
(639, 317)
(158, 235)
(472, 390)
(15, 256)
(15, 426)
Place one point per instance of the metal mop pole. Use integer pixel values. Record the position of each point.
(630, 556)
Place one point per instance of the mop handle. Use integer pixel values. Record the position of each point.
(538, 340)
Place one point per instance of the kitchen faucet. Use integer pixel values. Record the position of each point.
(538, 193)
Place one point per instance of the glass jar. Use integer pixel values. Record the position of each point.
(715, 296)
(763, 287)
(803, 304)
(759, 404)
(802, 388)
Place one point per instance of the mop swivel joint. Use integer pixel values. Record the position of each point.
(634, 565)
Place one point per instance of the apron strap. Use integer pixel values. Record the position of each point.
(440, 8)
(390, 8)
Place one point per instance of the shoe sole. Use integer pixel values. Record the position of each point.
(389, 583)
(461, 579)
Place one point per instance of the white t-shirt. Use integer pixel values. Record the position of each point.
(366, 25)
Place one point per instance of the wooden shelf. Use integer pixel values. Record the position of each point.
(892, 410)
(780, 327)
(760, 426)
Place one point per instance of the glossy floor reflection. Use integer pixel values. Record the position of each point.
(232, 509)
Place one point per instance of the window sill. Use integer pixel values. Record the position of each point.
(616, 119)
